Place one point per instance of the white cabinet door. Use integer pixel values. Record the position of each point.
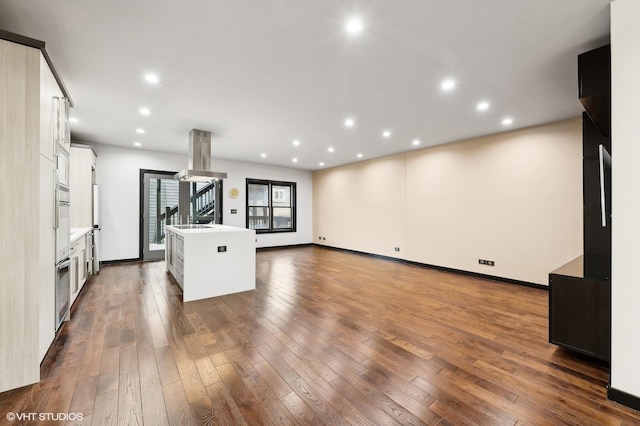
(73, 282)
(89, 254)
(82, 268)
(81, 169)
(49, 93)
(62, 131)
(171, 251)
(78, 267)
(47, 322)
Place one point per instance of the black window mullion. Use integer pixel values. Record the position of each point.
(270, 208)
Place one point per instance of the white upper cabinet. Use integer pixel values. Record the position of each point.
(81, 178)
(62, 130)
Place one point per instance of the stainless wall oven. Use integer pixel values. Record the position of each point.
(63, 290)
(62, 224)
(63, 272)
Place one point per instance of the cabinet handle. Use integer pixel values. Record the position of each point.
(65, 122)
(56, 214)
(55, 122)
(76, 277)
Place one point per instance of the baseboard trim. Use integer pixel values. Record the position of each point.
(443, 268)
(623, 398)
(117, 261)
(283, 247)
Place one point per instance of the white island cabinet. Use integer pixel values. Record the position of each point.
(211, 260)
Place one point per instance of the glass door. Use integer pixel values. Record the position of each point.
(204, 204)
(159, 204)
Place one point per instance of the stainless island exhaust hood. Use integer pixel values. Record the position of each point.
(199, 167)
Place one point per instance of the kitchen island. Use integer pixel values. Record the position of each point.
(211, 260)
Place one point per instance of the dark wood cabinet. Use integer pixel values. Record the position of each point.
(580, 291)
(594, 86)
(580, 311)
(597, 238)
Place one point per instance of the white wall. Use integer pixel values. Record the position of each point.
(514, 198)
(625, 274)
(118, 175)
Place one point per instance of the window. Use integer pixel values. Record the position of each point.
(271, 206)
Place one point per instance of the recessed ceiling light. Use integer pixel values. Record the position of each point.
(139, 131)
(321, 164)
(73, 120)
(386, 134)
(296, 142)
(295, 160)
(137, 144)
(448, 85)
(151, 78)
(482, 106)
(330, 149)
(349, 122)
(354, 25)
(416, 142)
(507, 121)
(145, 111)
(359, 155)
(263, 155)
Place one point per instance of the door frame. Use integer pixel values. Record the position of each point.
(141, 187)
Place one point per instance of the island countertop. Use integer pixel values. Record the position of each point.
(185, 230)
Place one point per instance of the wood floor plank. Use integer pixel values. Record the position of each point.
(272, 378)
(105, 410)
(177, 407)
(62, 391)
(191, 382)
(364, 405)
(327, 337)
(92, 356)
(84, 396)
(383, 398)
(129, 397)
(300, 410)
(167, 367)
(208, 373)
(270, 403)
(227, 412)
(153, 407)
(245, 401)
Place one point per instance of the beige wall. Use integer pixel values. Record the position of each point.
(514, 198)
(361, 206)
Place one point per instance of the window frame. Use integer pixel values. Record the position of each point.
(271, 184)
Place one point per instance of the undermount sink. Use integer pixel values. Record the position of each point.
(192, 226)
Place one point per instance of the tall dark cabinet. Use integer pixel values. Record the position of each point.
(580, 291)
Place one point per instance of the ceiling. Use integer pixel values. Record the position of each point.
(260, 74)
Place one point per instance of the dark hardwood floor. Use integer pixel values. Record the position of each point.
(328, 337)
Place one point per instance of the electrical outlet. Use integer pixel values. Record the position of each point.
(491, 263)
(482, 261)
(320, 238)
(324, 238)
(397, 248)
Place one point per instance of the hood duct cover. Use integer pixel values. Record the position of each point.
(199, 167)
